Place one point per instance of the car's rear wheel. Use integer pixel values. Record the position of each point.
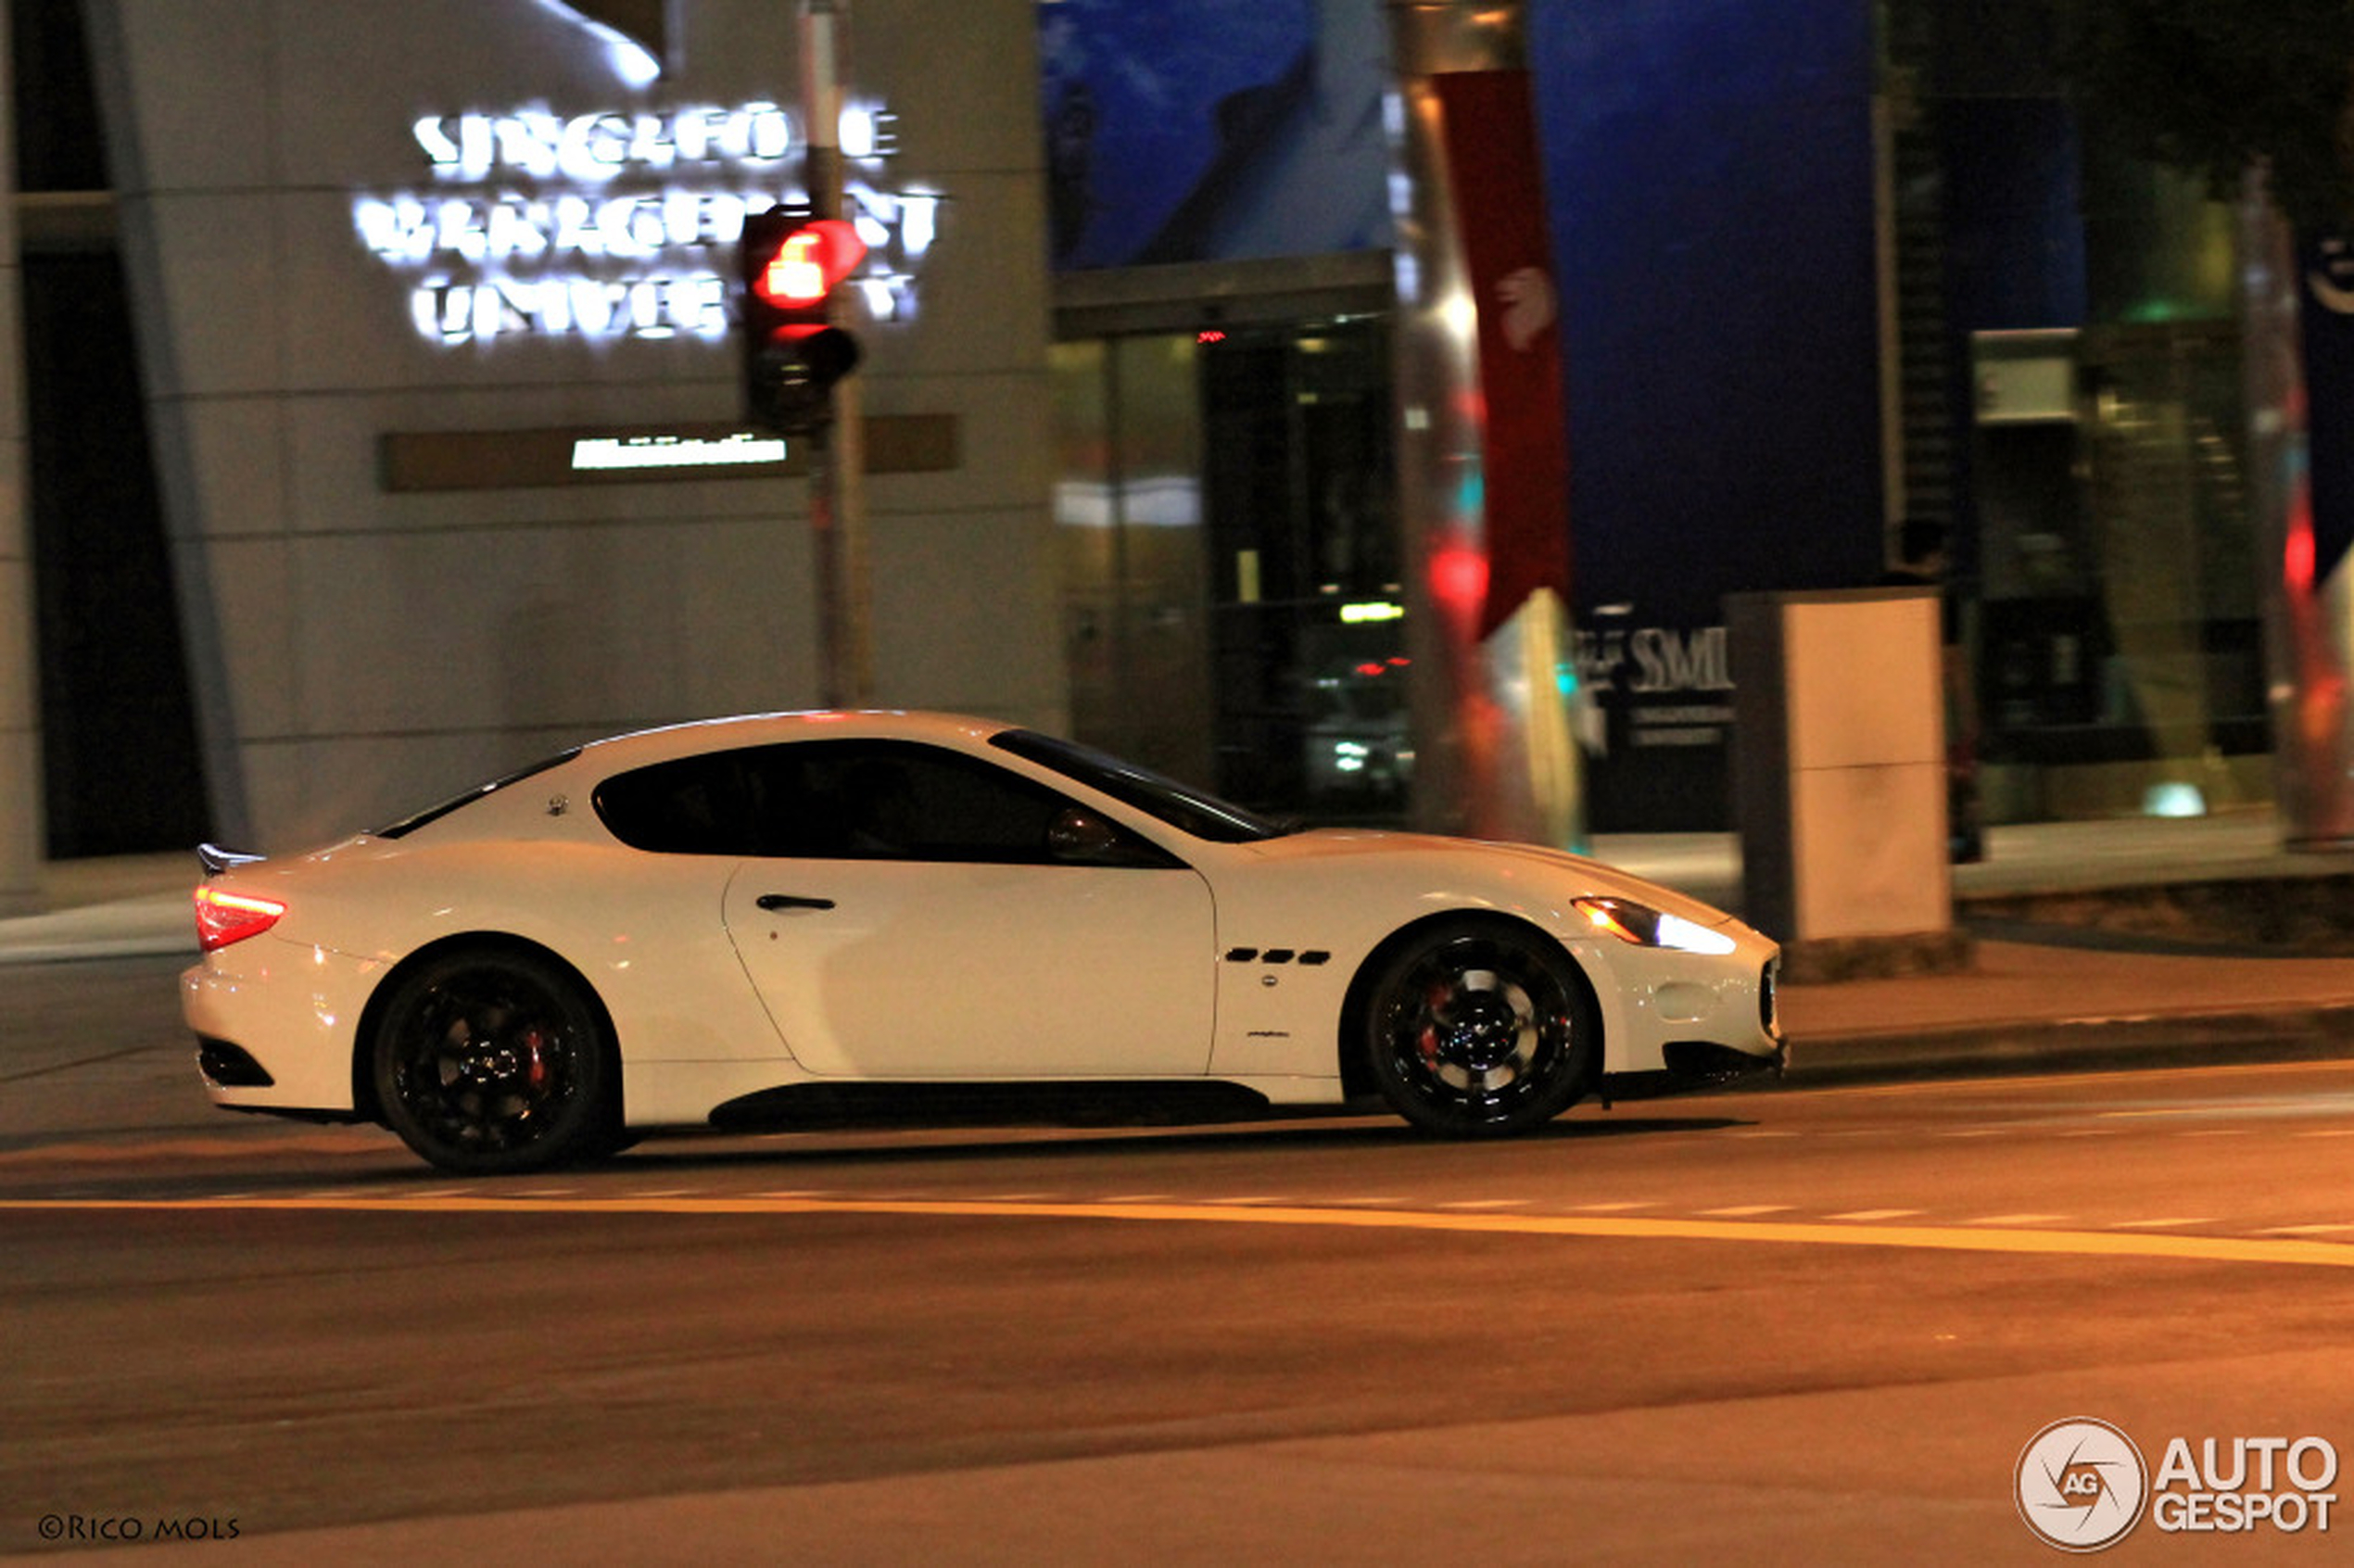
(1480, 1030)
(487, 1060)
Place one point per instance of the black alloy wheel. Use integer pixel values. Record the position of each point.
(1481, 1031)
(488, 1061)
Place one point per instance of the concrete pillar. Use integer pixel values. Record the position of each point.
(1840, 763)
(21, 830)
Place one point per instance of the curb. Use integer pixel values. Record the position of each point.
(2310, 913)
(2318, 1032)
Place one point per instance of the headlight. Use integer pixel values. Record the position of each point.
(1646, 927)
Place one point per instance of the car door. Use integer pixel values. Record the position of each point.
(911, 919)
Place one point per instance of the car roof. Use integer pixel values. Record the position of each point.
(957, 731)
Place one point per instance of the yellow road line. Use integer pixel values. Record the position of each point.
(2081, 1244)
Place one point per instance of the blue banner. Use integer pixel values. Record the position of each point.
(1710, 176)
(1211, 130)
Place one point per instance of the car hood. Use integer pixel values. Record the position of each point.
(1443, 861)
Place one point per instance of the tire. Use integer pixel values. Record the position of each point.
(488, 1061)
(1477, 1030)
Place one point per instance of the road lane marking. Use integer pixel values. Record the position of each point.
(1744, 1210)
(2007, 1221)
(1861, 1215)
(1977, 1236)
(2157, 1224)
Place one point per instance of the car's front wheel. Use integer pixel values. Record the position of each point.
(1480, 1030)
(488, 1060)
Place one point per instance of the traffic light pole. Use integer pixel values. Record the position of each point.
(837, 449)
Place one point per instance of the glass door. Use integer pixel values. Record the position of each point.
(1308, 614)
(1232, 608)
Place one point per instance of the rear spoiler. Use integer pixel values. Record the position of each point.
(216, 860)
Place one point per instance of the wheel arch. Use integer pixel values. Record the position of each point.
(1356, 1071)
(363, 1084)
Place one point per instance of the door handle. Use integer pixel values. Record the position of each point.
(773, 902)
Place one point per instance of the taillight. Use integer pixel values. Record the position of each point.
(223, 916)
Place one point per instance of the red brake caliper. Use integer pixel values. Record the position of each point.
(1426, 1043)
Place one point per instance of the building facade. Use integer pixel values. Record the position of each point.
(432, 315)
(1849, 294)
(381, 420)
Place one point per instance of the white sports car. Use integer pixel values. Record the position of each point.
(766, 921)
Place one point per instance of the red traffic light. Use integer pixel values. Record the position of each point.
(790, 264)
(806, 264)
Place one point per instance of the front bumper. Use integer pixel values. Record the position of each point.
(1700, 1063)
(1688, 1060)
(1695, 1065)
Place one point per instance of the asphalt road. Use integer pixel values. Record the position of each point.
(1797, 1326)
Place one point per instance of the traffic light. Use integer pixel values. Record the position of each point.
(790, 264)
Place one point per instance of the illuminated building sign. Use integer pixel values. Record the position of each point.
(735, 450)
(606, 225)
(410, 461)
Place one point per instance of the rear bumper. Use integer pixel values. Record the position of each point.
(274, 1023)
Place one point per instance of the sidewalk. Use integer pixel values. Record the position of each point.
(2134, 942)
(127, 906)
(2101, 989)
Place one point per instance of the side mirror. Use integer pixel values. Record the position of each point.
(1081, 835)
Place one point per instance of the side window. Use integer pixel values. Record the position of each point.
(895, 800)
(691, 805)
(859, 800)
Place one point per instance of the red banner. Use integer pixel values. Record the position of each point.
(1499, 205)
(2325, 316)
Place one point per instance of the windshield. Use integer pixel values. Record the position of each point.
(1188, 810)
(435, 813)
